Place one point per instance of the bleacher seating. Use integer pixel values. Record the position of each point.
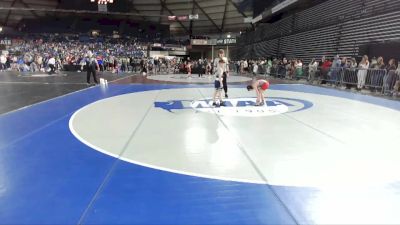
(309, 44)
(326, 13)
(330, 28)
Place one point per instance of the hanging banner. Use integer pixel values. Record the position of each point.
(194, 17)
(182, 18)
(5, 42)
(226, 41)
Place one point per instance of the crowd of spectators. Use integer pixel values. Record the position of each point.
(39, 54)
(372, 74)
(128, 55)
(50, 53)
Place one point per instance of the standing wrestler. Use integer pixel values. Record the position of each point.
(225, 68)
(218, 84)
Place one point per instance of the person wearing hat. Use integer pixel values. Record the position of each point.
(259, 86)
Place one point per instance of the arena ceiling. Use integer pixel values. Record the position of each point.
(215, 16)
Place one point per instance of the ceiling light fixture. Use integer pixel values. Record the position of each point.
(103, 2)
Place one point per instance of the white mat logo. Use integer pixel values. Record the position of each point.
(245, 107)
(241, 107)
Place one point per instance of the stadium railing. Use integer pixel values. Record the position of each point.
(385, 82)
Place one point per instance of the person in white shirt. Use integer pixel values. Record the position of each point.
(362, 72)
(255, 69)
(245, 66)
(312, 68)
(91, 67)
(225, 69)
(52, 64)
(3, 61)
(218, 83)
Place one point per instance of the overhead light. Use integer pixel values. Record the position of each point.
(102, 2)
(228, 36)
(1, 29)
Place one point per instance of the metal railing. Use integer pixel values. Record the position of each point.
(385, 82)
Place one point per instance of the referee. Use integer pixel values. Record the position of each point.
(91, 67)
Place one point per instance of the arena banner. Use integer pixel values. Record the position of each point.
(203, 41)
(226, 41)
(5, 42)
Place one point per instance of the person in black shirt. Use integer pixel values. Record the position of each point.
(91, 67)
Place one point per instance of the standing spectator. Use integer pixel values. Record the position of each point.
(362, 72)
(200, 68)
(245, 66)
(160, 63)
(299, 69)
(396, 88)
(282, 68)
(208, 67)
(326, 65)
(255, 69)
(350, 75)
(189, 68)
(100, 62)
(156, 64)
(390, 78)
(353, 63)
(3, 61)
(373, 63)
(143, 66)
(237, 65)
(312, 69)
(335, 70)
(378, 73)
(292, 69)
(344, 64)
(241, 67)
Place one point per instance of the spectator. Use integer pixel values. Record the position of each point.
(326, 65)
(52, 64)
(335, 70)
(396, 88)
(378, 73)
(390, 78)
(312, 69)
(3, 61)
(255, 69)
(362, 72)
(299, 68)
